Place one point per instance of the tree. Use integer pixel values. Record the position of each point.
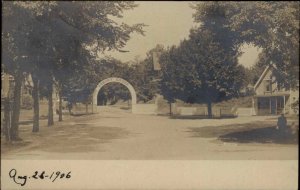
(170, 83)
(57, 34)
(17, 26)
(200, 70)
(144, 78)
(273, 26)
(90, 24)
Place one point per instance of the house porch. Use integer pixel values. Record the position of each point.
(270, 104)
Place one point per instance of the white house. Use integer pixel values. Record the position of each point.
(271, 96)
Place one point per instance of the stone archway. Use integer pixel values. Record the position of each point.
(115, 80)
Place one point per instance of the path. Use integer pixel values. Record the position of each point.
(118, 134)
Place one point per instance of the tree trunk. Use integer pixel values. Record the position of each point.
(50, 106)
(86, 108)
(14, 130)
(209, 109)
(170, 106)
(6, 118)
(36, 111)
(60, 107)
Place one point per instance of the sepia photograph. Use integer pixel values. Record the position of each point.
(170, 85)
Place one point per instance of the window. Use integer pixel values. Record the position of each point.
(279, 87)
(268, 85)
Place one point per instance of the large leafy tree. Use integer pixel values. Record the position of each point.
(19, 33)
(52, 38)
(273, 26)
(200, 70)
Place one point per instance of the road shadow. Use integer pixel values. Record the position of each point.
(199, 117)
(69, 139)
(263, 135)
(256, 132)
(29, 122)
(80, 114)
(82, 138)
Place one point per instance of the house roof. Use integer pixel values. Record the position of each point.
(262, 76)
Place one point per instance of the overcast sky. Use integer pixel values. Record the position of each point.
(168, 23)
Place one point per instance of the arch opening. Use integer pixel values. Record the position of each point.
(114, 80)
(114, 94)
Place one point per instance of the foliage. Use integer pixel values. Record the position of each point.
(273, 26)
(53, 41)
(113, 93)
(59, 38)
(200, 70)
(144, 78)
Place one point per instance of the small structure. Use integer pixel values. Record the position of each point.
(272, 97)
(135, 108)
(114, 80)
(8, 82)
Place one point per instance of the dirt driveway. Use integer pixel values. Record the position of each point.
(116, 134)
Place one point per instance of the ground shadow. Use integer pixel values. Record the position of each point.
(262, 135)
(125, 108)
(255, 132)
(82, 138)
(199, 117)
(70, 139)
(26, 122)
(80, 114)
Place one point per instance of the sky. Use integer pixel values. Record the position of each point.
(167, 23)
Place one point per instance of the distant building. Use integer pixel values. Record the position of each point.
(7, 86)
(7, 83)
(272, 97)
(7, 89)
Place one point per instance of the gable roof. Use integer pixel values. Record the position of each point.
(262, 76)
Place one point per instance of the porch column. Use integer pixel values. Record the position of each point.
(284, 104)
(253, 107)
(276, 111)
(270, 110)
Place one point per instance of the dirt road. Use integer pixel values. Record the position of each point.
(117, 134)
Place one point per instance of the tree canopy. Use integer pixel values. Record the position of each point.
(56, 40)
(200, 70)
(273, 26)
